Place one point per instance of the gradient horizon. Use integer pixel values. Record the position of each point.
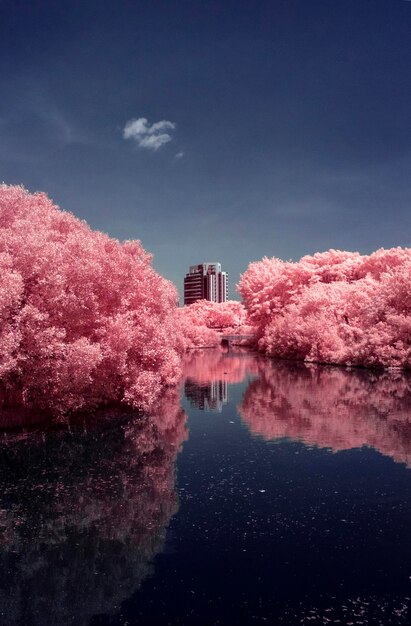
(227, 130)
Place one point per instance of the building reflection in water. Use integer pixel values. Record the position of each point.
(208, 374)
(83, 512)
(207, 397)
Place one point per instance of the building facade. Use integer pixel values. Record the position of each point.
(205, 281)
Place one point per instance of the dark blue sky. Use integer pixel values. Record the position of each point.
(292, 122)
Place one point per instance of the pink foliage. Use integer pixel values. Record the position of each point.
(194, 331)
(204, 320)
(84, 319)
(218, 315)
(335, 307)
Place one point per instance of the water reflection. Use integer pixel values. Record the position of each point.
(84, 506)
(208, 374)
(296, 535)
(208, 365)
(331, 407)
(210, 396)
(83, 512)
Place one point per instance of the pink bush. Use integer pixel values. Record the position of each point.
(218, 315)
(204, 321)
(84, 319)
(334, 307)
(195, 333)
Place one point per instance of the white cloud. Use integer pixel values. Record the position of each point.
(179, 155)
(148, 136)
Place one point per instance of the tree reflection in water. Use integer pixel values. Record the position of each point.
(331, 407)
(84, 507)
(83, 513)
(208, 373)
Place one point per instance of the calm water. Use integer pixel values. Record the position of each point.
(271, 493)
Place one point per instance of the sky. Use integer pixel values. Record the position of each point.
(214, 131)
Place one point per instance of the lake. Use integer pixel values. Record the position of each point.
(260, 492)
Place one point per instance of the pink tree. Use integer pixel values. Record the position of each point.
(334, 307)
(84, 319)
(218, 315)
(209, 319)
(195, 333)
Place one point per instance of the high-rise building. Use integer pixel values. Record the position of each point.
(205, 281)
